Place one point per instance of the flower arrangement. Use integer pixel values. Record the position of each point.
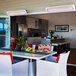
(51, 33)
(19, 43)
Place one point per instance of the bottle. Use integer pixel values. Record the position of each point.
(26, 45)
(22, 48)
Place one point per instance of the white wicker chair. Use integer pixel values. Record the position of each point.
(9, 69)
(46, 68)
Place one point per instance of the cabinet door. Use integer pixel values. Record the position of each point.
(43, 24)
(30, 22)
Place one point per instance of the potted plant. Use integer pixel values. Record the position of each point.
(19, 43)
(51, 33)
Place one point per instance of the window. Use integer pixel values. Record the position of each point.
(4, 33)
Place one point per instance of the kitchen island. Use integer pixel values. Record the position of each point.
(60, 44)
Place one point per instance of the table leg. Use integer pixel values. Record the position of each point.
(46, 58)
(31, 69)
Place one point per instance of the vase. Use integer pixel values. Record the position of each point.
(51, 35)
(13, 45)
(18, 48)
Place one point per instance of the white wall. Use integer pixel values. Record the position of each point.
(65, 18)
(62, 19)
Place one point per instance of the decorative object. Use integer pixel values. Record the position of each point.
(62, 28)
(13, 44)
(51, 33)
(29, 49)
(55, 37)
(19, 43)
(44, 48)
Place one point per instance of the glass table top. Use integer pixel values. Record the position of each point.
(36, 55)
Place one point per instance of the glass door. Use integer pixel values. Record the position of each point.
(4, 32)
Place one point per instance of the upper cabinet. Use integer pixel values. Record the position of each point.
(36, 23)
(43, 24)
(32, 22)
(29, 26)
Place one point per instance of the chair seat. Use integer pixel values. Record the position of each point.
(15, 73)
(52, 58)
(20, 68)
(3, 75)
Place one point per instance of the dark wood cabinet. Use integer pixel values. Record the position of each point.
(38, 24)
(43, 24)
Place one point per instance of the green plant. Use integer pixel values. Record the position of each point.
(51, 33)
(20, 42)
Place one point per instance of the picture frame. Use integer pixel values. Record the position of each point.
(62, 28)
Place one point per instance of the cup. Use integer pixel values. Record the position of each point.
(33, 46)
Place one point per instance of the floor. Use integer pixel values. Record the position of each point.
(71, 70)
(72, 60)
(72, 57)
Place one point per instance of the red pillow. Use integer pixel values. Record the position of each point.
(57, 59)
(8, 54)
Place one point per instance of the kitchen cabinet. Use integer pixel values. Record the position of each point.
(32, 22)
(43, 24)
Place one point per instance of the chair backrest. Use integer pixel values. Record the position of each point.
(63, 58)
(52, 48)
(63, 63)
(5, 65)
(8, 53)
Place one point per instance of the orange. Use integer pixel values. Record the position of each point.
(33, 50)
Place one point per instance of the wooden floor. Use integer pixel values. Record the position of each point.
(71, 70)
(72, 57)
(72, 60)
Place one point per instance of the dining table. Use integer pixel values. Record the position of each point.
(31, 56)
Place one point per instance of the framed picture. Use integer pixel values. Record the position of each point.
(61, 28)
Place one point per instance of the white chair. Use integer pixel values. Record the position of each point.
(45, 68)
(9, 69)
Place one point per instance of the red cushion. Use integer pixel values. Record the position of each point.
(8, 54)
(57, 59)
